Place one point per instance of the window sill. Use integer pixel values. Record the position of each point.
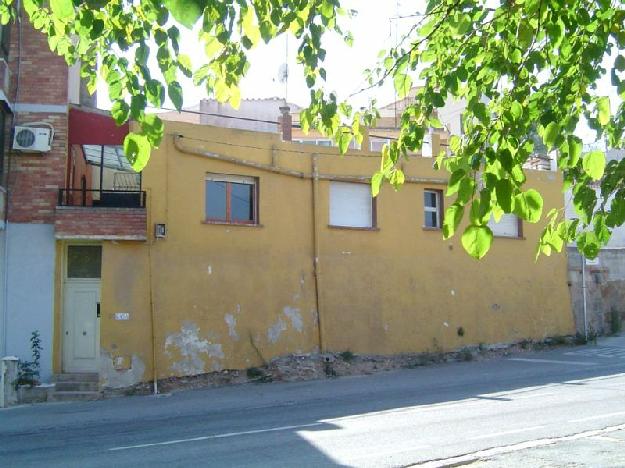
(428, 228)
(508, 237)
(225, 223)
(353, 228)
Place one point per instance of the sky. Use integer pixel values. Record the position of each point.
(374, 28)
(377, 25)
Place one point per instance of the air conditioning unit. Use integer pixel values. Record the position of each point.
(32, 139)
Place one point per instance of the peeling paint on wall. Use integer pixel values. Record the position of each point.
(113, 378)
(191, 346)
(231, 321)
(295, 317)
(274, 332)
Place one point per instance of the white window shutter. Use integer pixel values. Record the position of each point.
(350, 204)
(508, 226)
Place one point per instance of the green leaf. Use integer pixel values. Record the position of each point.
(397, 178)
(120, 112)
(153, 128)
(186, 12)
(454, 181)
(516, 110)
(477, 240)
(616, 217)
(551, 133)
(62, 9)
(575, 150)
(465, 190)
(455, 143)
(250, 28)
(451, 220)
(594, 164)
(603, 110)
(529, 205)
(137, 150)
(376, 182)
(403, 84)
(174, 90)
(503, 189)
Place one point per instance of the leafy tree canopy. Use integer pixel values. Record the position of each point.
(523, 67)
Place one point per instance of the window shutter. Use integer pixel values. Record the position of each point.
(350, 204)
(508, 226)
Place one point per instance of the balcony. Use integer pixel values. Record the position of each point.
(103, 198)
(101, 215)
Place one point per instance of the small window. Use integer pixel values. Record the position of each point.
(508, 226)
(351, 205)
(432, 208)
(84, 261)
(231, 199)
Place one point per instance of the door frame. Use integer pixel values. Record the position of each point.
(77, 281)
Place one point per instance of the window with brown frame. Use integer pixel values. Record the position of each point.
(231, 199)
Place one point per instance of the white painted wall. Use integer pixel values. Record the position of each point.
(30, 291)
(260, 109)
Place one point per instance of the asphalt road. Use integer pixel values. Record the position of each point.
(440, 414)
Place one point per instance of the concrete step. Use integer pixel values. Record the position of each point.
(75, 396)
(77, 377)
(76, 386)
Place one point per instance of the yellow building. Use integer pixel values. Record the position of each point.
(258, 248)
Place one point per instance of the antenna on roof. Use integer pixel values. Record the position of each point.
(283, 71)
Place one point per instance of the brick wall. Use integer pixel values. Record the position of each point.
(100, 223)
(34, 178)
(43, 75)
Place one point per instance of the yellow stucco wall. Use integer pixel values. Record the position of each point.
(225, 296)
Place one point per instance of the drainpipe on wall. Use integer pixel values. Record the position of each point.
(286, 123)
(584, 297)
(150, 288)
(315, 233)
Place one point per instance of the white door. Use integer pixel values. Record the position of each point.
(81, 311)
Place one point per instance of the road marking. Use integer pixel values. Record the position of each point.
(600, 416)
(502, 433)
(215, 436)
(552, 361)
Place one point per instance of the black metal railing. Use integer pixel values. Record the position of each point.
(102, 198)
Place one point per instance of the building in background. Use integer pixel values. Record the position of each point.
(266, 115)
(598, 285)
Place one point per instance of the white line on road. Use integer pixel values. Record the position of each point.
(599, 416)
(215, 436)
(552, 361)
(497, 434)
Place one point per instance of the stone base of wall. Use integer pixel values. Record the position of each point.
(299, 367)
(29, 395)
(605, 291)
